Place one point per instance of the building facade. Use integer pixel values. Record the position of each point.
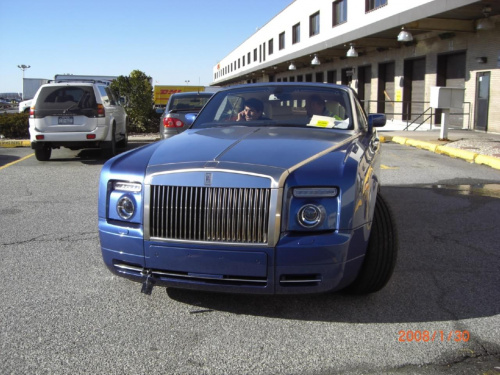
(392, 52)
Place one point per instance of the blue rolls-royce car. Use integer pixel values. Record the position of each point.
(273, 189)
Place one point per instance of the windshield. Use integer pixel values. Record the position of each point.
(319, 106)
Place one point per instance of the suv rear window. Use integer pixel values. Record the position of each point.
(57, 100)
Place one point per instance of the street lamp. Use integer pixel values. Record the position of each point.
(187, 82)
(23, 68)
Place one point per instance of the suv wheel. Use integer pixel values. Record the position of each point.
(43, 154)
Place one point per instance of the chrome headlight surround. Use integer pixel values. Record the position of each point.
(125, 201)
(312, 209)
(125, 207)
(311, 215)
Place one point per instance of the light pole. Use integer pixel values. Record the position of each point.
(23, 68)
(187, 82)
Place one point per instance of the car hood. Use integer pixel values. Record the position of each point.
(245, 148)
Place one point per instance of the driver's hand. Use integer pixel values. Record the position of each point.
(241, 116)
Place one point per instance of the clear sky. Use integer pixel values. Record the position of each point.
(170, 40)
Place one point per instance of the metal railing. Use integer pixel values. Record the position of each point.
(419, 118)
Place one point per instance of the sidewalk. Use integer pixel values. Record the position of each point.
(472, 146)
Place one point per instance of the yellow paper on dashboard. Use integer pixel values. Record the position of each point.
(322, 121)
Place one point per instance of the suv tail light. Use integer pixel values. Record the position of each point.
(100, 111)
(32, 111)
(170, 122)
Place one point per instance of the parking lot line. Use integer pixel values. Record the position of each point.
(17, 161)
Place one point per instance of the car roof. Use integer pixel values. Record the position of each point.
(191, 93)
(299, 84)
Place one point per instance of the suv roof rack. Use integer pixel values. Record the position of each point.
(107, 83)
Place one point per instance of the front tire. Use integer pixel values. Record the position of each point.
(43, 153)
(381, 254)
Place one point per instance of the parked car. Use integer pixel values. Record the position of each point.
(275, 198)
(25, 105)
(4, 103)
(181, 111)
(76, 115)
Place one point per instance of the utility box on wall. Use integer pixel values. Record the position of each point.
(447, 97)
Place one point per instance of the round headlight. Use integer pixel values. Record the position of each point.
(125, 207)
(310, 215)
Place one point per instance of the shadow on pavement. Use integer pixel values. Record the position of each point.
(89, 156)
(7, 159)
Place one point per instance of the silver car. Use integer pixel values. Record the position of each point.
(180, 112)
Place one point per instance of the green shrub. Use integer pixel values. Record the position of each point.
(14, 125)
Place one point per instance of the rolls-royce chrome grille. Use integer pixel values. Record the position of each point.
(233, 215)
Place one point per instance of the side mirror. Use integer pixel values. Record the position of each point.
(190, 117)
(376, 120)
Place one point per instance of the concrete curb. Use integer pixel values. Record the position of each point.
(453, 152)
(15, 143)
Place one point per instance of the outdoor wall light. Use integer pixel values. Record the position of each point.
(292, 66)
(352, 51)
(315, 60)
(485, 23)
(404, 36)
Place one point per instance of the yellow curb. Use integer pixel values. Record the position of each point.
(423, 145)
(490, 161)
(385, 139)
(457, 153)
(400, 140)
(15, 143)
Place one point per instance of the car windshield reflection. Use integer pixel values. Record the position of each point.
(318, 106)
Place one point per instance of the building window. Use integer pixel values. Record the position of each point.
(339, 12)
(282, 41)
(243, 60)
(263, 51)
(314, 24)
(248, 58)
(270, 46)
(255, 54)
(296, 33)
(374, 4)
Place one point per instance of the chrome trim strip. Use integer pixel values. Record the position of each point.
(172, 274)
(273, 181)
(128, 267)
(299, 281)
(163, 273)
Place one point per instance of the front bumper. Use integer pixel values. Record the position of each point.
(297, 265)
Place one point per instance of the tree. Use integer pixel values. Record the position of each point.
(138, 91)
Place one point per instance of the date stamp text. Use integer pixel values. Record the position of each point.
(431, 336)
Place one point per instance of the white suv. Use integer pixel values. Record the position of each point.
(76, 115)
